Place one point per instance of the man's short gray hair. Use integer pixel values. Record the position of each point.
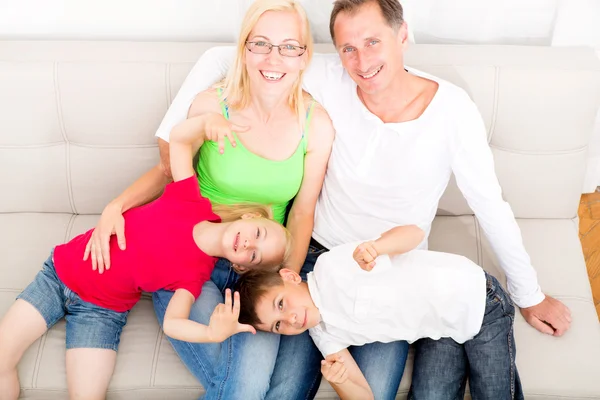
(391, 10)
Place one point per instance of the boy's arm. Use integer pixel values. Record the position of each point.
(346, 378)
(398, 240)
(223, 322)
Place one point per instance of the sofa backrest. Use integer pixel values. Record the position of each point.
(77, 119)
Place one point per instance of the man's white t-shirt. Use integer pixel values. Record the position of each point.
(381, 175)
(405, 297)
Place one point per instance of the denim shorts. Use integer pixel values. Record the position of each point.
(88, 325)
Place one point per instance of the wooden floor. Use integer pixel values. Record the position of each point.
(589, 233)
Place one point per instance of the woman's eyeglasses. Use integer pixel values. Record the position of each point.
(286, 50)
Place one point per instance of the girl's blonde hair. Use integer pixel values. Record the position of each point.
(230, 213)
(236, 85)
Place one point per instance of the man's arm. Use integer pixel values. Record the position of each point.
(322, 71)
(210, 68)
(473, 166)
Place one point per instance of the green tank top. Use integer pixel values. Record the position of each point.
(240, 176)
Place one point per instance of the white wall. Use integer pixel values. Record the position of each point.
(578, 24)
(483, 21)
(531, 22)
(177, 20)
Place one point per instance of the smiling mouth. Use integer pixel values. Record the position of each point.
(236, 241)
(272, 76)
(305, 318)
(372, 74)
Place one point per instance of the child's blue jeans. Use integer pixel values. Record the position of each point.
(442, 366)
(88, 325)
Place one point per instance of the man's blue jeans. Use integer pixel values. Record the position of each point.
(442, 366)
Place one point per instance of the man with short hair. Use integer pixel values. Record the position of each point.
(400, 134)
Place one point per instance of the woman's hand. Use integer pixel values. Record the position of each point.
(217, 128)
(224, 319)
(365, 255)
(334, 370)
(111, 223)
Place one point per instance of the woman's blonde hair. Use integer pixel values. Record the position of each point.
(230, 213)
(236, 85)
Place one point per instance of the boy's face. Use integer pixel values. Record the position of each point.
(252, 242)
(288, 309)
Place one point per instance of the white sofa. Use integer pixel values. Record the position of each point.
(77, 125)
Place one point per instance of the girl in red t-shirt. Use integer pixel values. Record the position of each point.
(172, 243)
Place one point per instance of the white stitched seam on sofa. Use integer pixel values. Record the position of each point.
(541, 153)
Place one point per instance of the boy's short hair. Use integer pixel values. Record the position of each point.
(252, 286)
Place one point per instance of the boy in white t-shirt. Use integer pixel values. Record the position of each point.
(443, 302)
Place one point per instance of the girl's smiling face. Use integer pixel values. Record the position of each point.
(254, 242)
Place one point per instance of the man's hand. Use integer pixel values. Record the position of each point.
(111, 223)
(224, 319)
(334, 370)
(365, 255)
(550, 316)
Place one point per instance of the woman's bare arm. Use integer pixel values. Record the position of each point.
(301, 218)
(147, 188)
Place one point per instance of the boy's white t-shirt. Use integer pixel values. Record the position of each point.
(406, 297)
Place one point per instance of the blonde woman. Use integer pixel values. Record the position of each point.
(266, 142)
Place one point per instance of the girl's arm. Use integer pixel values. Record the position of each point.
(184, 142)
(301, 219)
(205, 122)
(346, 378)
(223, 322)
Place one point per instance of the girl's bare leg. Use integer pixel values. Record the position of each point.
(89, 372)
(21, 326)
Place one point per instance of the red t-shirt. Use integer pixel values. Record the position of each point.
(160, 254)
